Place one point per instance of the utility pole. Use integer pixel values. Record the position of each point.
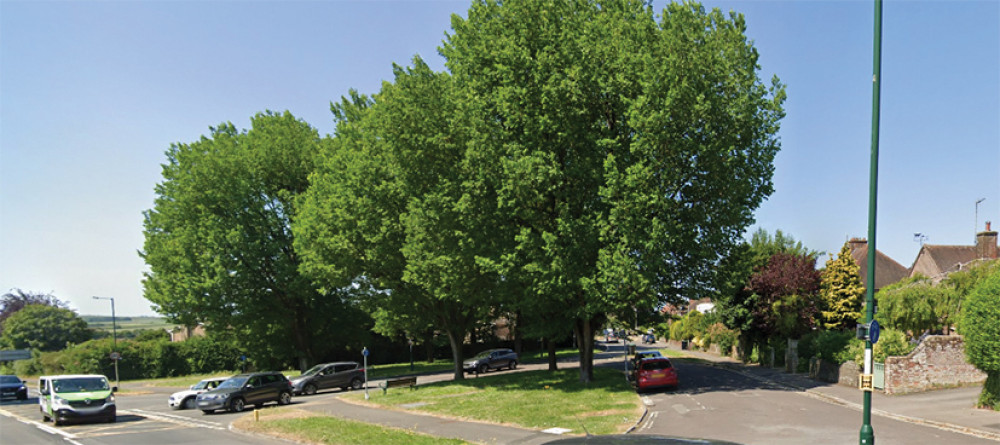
(114, 336)
(867, 434)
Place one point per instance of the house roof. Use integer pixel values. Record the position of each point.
(935, 261)
(887, 270)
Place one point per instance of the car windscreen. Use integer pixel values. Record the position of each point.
(483, 354)
(314, 370)
(206, 384)
(654, 365)
(80, 384)
(235, 382)
(9, 379)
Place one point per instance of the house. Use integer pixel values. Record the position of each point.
(181, 333)
(887, 270)
(937, 261)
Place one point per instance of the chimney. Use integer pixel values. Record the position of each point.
(986, 244)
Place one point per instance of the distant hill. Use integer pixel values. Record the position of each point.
(103, 323)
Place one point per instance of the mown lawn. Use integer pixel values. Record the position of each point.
(535, 399)
(303, 426)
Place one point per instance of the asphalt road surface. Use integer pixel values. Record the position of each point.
(721, 404)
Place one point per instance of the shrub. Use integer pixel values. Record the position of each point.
(981, 329)
(891, 343)
(722, 336)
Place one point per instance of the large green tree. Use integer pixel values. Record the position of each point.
(398, 203)
(629, 152)
(842, 292)
(17, 299)
(981, 329)
(219, 243)
(44, 327)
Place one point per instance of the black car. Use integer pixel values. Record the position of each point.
(491, 359)
(13, 387)
(241, 390)
(341, 375)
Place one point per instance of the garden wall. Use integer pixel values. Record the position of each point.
(937, 362)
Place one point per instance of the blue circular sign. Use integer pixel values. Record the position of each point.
(364, 352)
(873, 331)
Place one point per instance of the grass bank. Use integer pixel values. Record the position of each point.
(303, 426)
(535, 399)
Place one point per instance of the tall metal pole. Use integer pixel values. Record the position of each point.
(114, 335)
(867, 434)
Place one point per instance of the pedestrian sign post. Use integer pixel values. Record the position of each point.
(364, 352)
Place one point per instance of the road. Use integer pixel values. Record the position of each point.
(722, 404)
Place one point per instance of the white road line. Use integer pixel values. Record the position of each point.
(69, 437)
(650, 420)
(171, 418)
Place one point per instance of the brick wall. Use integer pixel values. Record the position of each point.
(938, 361)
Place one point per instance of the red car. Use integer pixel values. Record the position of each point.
(655, 372)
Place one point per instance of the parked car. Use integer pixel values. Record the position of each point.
(491, 359)
(341, 375)
(241, 390)
(11, 386)
(653, 373)
(641, 355)
(76, 397)
(186, 399)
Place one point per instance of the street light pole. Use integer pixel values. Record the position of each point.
(867, 434)
(114, 335)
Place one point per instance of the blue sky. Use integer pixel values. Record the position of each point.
(92, 93)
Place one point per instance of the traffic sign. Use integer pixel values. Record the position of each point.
(14, 354)
(116, 356)
(873, 331)
(364, 352)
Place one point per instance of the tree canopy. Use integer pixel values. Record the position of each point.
(842, 292)
(17, 299)
(44, 327)
(981, 329)
(219, 243)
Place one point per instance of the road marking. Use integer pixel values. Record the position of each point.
(172, 418)
(559, 431)
(647, 401)
(69, 437)
(681, 409)
(649, 422)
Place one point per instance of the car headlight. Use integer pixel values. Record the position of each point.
(59, 401)
(110, 399)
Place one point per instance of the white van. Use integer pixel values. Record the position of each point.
(76, 397)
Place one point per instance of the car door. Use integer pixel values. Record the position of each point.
(254, 391)
(342, 374)
(326, 378)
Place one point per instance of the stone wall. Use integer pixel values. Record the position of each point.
(937, 362)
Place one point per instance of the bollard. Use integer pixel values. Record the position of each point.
(256, 415)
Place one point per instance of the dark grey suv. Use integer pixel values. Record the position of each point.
(341, 375)
(241, 390)
(491, 359)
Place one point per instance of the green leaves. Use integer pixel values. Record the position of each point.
(842, 292)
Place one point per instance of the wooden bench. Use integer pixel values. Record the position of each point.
(398, 383)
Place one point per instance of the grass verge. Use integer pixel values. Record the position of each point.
(535, 399)
(304, 426)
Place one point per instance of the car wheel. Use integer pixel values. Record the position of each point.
(237, 405)
(513, 364)
(483, 368)
(357, 383)
(112, 419)
(188, 403)
(285, 398)
(309, 390)
(56, 422)
(208, 411)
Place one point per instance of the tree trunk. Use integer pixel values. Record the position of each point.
(515, 330)
(551, 347)
(456, 354)
(585, 335)
(429, 345)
